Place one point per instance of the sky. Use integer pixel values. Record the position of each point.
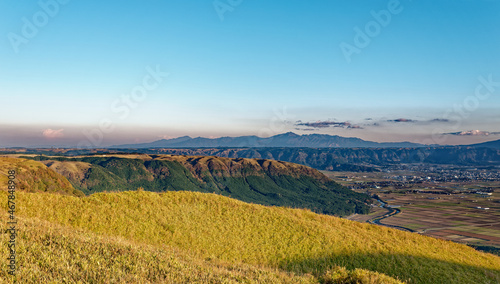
(100, 73)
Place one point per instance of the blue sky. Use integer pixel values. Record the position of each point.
(250, 68)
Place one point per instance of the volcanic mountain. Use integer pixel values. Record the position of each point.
(288, 139)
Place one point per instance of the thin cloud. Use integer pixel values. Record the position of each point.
(434, 120)
(439, 120)
(166, 137)
(325, 124)
(51, 133)
(402, 120)
(472, 133)
(370, 122)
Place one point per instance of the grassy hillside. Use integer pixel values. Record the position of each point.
(35, 177)
(217, 229)
(258, 181)
(49, 252)
(53, 253)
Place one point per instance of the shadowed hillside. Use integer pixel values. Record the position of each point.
(259, 181)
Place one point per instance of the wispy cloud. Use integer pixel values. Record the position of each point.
(166, 137)
(402, 120)
(473, 133)
(439, 120)
(408, 120)
(325, 124)
(51, 133)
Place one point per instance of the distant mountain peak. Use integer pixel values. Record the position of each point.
(288, 139)
(285, 135)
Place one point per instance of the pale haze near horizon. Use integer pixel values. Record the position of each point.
(377, 70)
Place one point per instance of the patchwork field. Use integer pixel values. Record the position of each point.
(459, 217)
(450, 217)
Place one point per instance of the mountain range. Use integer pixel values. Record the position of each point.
(491, 144)
(288, 139)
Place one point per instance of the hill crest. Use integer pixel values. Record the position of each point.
(260, 181)
(33, 176)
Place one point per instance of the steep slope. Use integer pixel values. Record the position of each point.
(259, 181)
(34, 177)
(217, 228)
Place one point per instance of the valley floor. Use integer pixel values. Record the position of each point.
(442, 210)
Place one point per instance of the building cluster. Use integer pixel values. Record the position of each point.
(431, 179)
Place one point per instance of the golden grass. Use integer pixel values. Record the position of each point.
(34, 176)
(75, 169)
(217, 228)
(50, 253)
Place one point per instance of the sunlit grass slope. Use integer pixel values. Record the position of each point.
(216, 228)
(35, 177)
(52, 253)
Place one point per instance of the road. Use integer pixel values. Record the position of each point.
(391, 212)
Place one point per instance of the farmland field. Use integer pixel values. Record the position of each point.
(446, 210)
